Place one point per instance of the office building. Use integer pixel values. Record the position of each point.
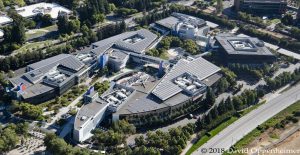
(245, 50)
(48, 78)
(264, 7)
(52, 9)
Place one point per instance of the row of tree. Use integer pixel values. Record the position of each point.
(101, 87)
(227, 82)
(283, 42)
(140, 5)
(22, 59)
(253, 71)
(168, 42)
(27, 111)
(58, 146)
(226, 109)
(169, 143)
(114, 137)
(255, 20)
(282, 79)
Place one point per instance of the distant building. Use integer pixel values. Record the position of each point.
(269, 7)
(52, 9)
(52, 77)
(246, 50)
(48, 78)
(184, 26)
(119, 48)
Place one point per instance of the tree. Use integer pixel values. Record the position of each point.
(287, 19)
(8, 139)
(210, 97)
(191, 47)
(222, 109)
(30, 111)
(1, 5)
(214, 112)
(58, 146)
(98, 18)
(62, 24)
(208, 118)
(223, 85)
(140, 141)
(237, 103)
(219, 6)
(124, 127)
(46, 20)
(229, 104)
(74, 26)
(18, 29)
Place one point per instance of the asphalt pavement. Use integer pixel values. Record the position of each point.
(236, 131)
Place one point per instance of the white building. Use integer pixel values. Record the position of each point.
(88, 117)
(1, 34)
(184, 26)
(51, 9)
(5, 20)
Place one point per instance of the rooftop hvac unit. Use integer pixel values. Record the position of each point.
(87, 59)
(191, 87)
(121, 95)
(54, 72)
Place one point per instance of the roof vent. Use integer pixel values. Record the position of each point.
(83, 118)
(260, 44)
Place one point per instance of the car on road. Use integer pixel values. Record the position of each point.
(191, 116)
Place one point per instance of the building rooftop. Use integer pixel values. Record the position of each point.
(156, 94)
(88, 112)
(51, 9)
(54, 71)
(243, 45)
(5, 19)
(117, 54)
(175, 18)
(199, 67)
(134, 41)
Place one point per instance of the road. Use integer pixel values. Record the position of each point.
(229, 136)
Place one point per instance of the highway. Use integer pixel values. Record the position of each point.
(236, 131)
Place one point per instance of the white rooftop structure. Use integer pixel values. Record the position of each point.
(52, 9)
(5, 20)
(198, 68)
(1, 33)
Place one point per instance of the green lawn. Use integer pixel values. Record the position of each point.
(35, 45)
(213, 132)
(41, 32)
(246, 111)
